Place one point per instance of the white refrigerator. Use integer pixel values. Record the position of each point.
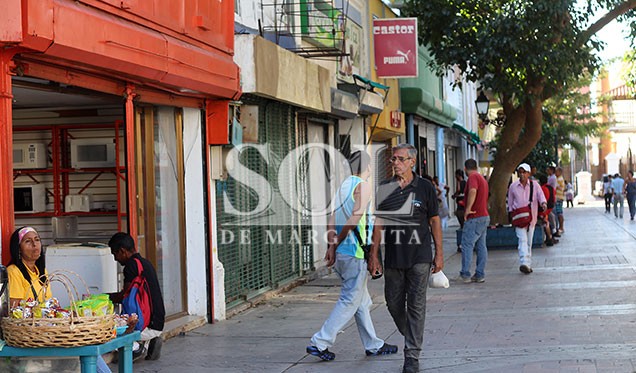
(93, 262)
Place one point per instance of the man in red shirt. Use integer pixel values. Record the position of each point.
(476, 220)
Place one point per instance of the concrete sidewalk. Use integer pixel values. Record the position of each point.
(575, 313)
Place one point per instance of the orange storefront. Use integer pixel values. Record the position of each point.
(152, 59)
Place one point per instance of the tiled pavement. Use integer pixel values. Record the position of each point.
(575, 313)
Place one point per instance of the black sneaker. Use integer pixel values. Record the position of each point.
(138, 353)
(323, 354)
(411, 365)
(386, 349)
(154, 348)
(525, 269)
(549, 242)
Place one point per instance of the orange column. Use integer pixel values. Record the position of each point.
(7, 220)
(130, 163)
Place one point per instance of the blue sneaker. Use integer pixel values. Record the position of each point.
(325, 354)
(386, 349)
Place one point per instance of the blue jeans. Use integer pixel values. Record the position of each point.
(405, 293)
(354, 301)
(631, 203)
(474, 236)
(102, 367)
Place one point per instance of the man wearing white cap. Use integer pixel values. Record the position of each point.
(519, 194)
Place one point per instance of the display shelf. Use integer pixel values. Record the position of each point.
(32, 171)
(59, 147)
(93, 170)
(48, 214)
(89, 213)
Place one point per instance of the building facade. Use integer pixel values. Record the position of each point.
(149, 83)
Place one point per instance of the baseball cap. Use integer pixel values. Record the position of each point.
(525, 166)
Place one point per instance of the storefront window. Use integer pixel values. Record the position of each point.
(168, 208)
(161, 201)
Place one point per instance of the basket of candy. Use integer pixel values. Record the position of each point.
(46, 324)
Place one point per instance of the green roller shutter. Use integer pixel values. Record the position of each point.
(266, 255)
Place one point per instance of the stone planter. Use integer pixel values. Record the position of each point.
(506, 239)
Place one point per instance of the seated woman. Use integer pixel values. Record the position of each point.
(27, 273)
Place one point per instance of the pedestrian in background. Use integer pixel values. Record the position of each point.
(442, 193)
(407, 216)
(630, 192)
(476, 220)
(569, 195)
(348, 222)
(519, 196)
(607, 192)
(560, 197)
(550, 198)
(458, 196)
(552, 178)
(617, 194)
(552, 217)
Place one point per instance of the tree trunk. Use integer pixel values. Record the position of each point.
(514, 146)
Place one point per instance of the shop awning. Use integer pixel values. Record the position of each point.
(420, 102)
(371, 101)
(371, 83)
(470, 136)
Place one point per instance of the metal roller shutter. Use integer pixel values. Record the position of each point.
(263, 256)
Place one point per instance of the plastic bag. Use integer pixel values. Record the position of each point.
(438, 280)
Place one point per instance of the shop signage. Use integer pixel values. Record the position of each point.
(351, 63)
(395, 46)
(326, 26)
(396, 119)
(321, 24)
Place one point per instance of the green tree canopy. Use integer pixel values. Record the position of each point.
(567, 120)
(522, 52)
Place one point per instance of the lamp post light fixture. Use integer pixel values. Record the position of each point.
(482, 104)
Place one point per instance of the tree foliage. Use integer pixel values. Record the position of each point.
(569, 116)
(523, 52)
(629, 74)
(567, 120)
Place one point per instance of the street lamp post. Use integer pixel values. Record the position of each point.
(482, 105)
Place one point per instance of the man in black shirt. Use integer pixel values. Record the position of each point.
(407, 215)
(122, 246)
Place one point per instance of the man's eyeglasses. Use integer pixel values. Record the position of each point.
(401, 159)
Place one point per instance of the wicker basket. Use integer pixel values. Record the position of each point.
(69, 332)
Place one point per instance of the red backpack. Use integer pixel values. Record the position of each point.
(137, 299)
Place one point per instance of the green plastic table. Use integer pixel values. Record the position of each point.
(87, 354)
